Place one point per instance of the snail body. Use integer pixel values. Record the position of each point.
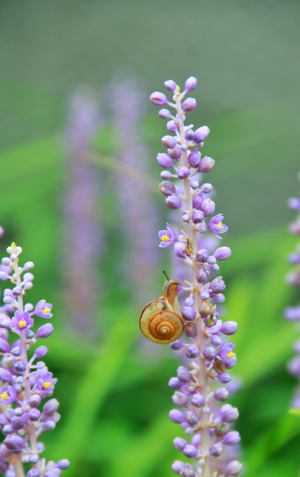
(161, 320)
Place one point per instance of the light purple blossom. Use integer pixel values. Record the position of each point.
(216, 226)
(43, 309)
(22, 321)
(167, 237)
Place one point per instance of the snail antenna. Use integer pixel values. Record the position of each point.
(167, 277)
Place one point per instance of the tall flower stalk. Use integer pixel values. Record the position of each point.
(201, 386)
(292, 313)
(25, 381)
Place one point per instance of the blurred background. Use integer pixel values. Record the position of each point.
(79, 193)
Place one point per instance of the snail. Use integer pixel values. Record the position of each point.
(161, 319)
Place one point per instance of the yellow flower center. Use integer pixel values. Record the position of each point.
(46, 310)
(165, 238)
(230, 354)
(4, 396)
(220, 225)
(46, 385)
(22, 324)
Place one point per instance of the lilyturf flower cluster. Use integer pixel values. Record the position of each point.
(26, 384)
(292, 313)
(200, 389)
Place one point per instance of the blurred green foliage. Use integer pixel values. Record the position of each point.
(115, 399)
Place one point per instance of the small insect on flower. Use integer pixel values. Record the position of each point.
(161, 320)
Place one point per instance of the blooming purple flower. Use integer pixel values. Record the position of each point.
(8, 394)
(167, 237)
(43, 309)
(22, 321)
(203, 327)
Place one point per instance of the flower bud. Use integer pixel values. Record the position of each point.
(5, 375)
(209, 353)
(202, 255)
(197, 216)
(228, 413)
(179, 443)
(15, 443)
(179, 399)
(189, 135)
(165, 114)
(184, 375)
(63, 464)
(208, 207)
(231, 439)
(206, 164)
(175, 153)
(198, 400)
(201, 134)
(222, 253)
(177, 416)
(41, 351)
(188, 313)
(170, 85)
(197, 201)
(174, 383)
(216, 449)
(177, 466)
(173, 202)
(190, 330)
(35, 400)
(189, 105)
(44, 331)
(177, 345)
(221, 394)
(192, 351)
(169, 141)
(33, 473)
(34, 414)
(172, 126)
(190, 451)
(233, 468)
(4, 346)
(194, 158)
(190, 83)
(183, 172)
(164, 160)
(229, 327)
(50, 407)
(224, 378)
(158, 98)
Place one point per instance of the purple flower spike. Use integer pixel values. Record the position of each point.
(158, 98)
(43, 309)
(167, 237)
(200, 387)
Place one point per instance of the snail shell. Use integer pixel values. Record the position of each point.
(159, 322)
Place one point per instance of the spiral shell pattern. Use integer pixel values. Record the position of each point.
(163, 327)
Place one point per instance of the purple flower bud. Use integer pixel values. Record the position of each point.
(4, 346)
(231, 439)
(20, 366)
(63, 464)
(190, 83)
(222, 253)
(34, 458)
(188, 471)
(179, 443)
(183, 172)
(18, 422)
(172, 126)
(158, 98)
(201, 276)
(206, 164)
(179, 248)
(216, 449)
(205, 295)
(189, 135)
(190, 330)
(179, 399)
(28, 266)
(229, 327)
(201, 134)
(188, 313)
(202, 255)
(44, 331)
(294, 204)
(165, 114)
(17, 291)
(49, 425)
(209, 353)
(170, 85)
(173, 202)
(174, 383)
(175, 153)
(177, 466)
(33, 473)
(167, 188)
(221, 394)
(34, 414)
(190, 451)
(50, 407)
(192, 418)
(233, 468)
(5, 375)
(3, 275)
(208, 207)
(35, 400)
(224, 378)
(228, 413)
(197, 216)
(177, 416)
(197, 201)
(166, 175)
(198, 400)
(15, 443)
(184, 375)
(177, 345)
(192, 351)
(41, 351)
(164, 160)
(189, 105)
(169, 141)
(218, 298)
(194, 158)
